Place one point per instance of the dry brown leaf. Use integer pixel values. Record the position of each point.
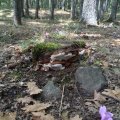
(76, 118)
(7, 116)
(117, 42)
(99, 97)
(115, 94)
(41, 116)
(33, 88)
(37, 107)
(2, 75)
(89, 103)
(105, 64)
(64, 115)
(26, 100)
(89, 51)
(96, 101)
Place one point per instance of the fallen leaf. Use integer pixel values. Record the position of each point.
(7, 116)
(37, 107)
(41, 116)
(89, 103)
(33, 88)
(2, 75)
(76, 118)
(115, 94)
(64, 115)
(117, 42)
(105, 64)
(26, 100)
(99, 97)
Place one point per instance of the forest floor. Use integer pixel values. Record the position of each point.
(14, 77)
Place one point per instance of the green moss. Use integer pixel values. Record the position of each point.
(80, 44)
(42, 48)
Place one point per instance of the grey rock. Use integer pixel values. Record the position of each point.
(116, 71)
(50, 91)
(88, 79)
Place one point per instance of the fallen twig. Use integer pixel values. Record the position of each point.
(61, 100)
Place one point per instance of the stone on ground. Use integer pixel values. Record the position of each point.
(88, 79)
(51, 92)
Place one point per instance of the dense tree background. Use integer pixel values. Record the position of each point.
(89, 11)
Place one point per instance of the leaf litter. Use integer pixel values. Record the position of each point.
(33, 88)
(89, 37)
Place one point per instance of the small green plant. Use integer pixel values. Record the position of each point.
(15, 75)
(42, 48)
(80, 44)
(25, 44)
(97, 62)
(58, 36)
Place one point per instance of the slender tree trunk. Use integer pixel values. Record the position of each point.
(22, 8)
(113, 11)
(105, 5)
(81, 8)
(68, 4)
(89, 12)
(30, 3)
(17, 12)
(41, 3)
(63, 4)
(26, 8)
(100, 9)
(37, 9)
(52, 7)
(73, 9)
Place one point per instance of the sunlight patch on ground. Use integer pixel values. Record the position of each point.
(2, 23)
(64, 22)
(10, 15)
(1, 13)
(34, 23)
(62, 12)
(6, 13)
(41, 12)
(116, 42)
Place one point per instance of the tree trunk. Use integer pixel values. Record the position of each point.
(22, 8)
(52, 7)
(26, 8)
(63, 4)
(37, 9)
(68, 4)
(17, 12)
(105, 5)
(113, 14)
(73, 9)
(41, 4)
(30, 3)
(81, 8)
(100, 9)
(89, 12)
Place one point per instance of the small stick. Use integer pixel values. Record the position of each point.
(61, 100)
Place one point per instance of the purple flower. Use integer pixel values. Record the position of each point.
(104, 114)
(46, 34)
